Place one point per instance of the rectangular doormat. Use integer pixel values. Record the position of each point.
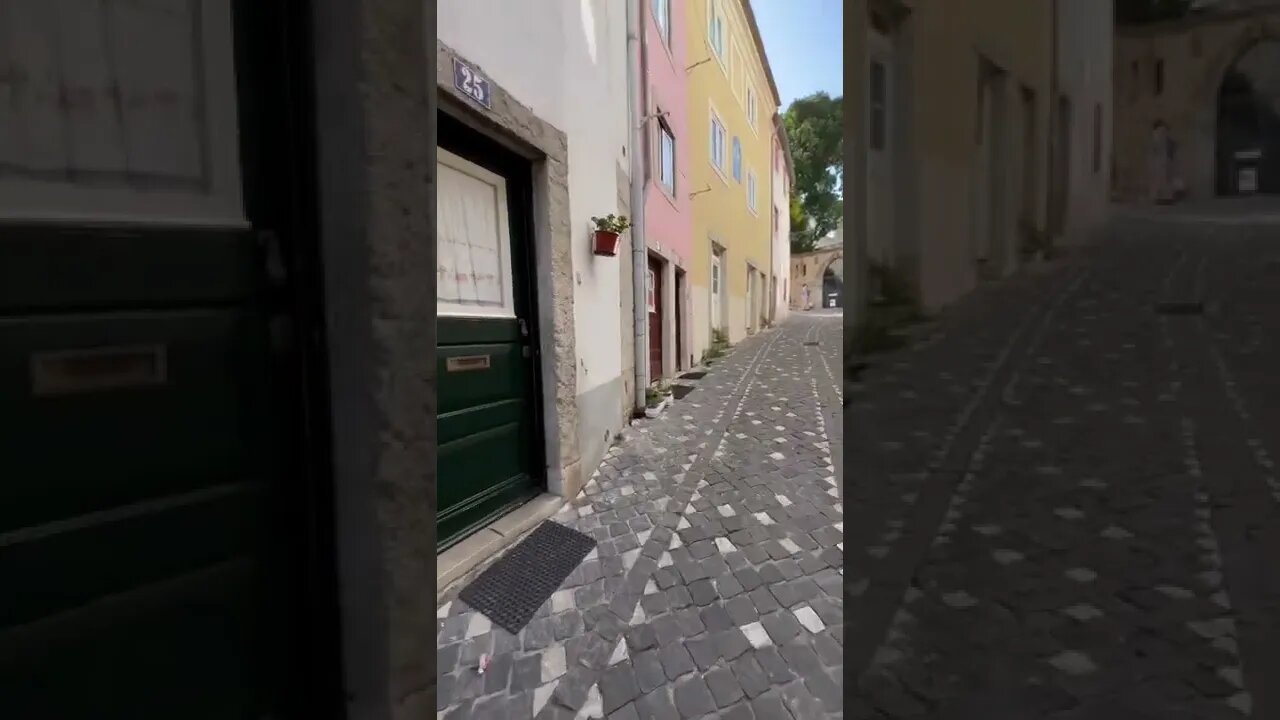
(514, 587)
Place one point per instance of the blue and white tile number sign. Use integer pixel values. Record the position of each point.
(472, 84)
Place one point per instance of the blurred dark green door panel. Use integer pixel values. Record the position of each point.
(140, 447)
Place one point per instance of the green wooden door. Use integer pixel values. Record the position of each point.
(488, 428)
(140, 446)
(153, 509)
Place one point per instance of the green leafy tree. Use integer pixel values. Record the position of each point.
(802, 241)
(814, 129)
(1137, 12)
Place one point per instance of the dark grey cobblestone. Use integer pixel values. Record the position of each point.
(1066, 506)
(701, 515)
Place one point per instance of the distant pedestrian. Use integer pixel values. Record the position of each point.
(804, 297)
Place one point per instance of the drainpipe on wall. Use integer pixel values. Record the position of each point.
(1054, 221)
(639, 256)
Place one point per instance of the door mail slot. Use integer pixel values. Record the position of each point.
(467, 363)
(93, 369)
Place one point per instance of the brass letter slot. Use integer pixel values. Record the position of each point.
(109, 368)
(467, 363)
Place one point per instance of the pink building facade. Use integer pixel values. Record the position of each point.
(668, 222)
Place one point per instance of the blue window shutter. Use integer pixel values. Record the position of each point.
(737, 160)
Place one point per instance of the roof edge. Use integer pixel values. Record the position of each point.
(764, 57)
(781, 129)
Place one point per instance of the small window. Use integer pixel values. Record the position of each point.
(751, 106)
(662, 15)
(717, 143)
(751, 190)
(879, 96)
(666, 158)
(1159, 77)
(737, 160)
(715, 29)
(1097, 138)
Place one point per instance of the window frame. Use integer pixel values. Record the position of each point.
(722, 137)
(663, 20)
(736, 160)
(753, 189)
(664, 131)
(715, 21)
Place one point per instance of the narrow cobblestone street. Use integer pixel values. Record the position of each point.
(1065, 503)
(716, 586)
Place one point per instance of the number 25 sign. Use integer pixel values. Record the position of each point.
(472, 84)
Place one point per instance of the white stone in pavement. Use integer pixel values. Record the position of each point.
(619, 653)
(1073, 663)
(478, 625)
(541, 695)
(1176, 592)
(1115, 532)
(1005, 556)
(756, 635)
(724, 546)
(789, 545)
(764, 518)
(1081, 574)
(959, 599)
(726, 510)
(561, 600)
(809, 619)
(593, 709)
(442, 612)
(553, 663)
(1242, 702)
(783, 500)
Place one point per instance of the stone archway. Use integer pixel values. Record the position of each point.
(1247, 122)
(832, 282)
(809, 269)
(1196, 53)
(1201, 163)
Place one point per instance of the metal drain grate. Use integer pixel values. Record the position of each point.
(811, 343)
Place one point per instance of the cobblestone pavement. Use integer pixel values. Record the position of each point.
(716, 587)
(1066, 502)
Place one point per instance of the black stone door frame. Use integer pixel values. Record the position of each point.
(277, 116)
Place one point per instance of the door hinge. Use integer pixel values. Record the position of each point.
(524, 327)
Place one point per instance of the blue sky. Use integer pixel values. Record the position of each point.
(805, 43)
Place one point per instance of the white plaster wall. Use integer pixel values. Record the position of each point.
(566, 60)
(781, 247)
(1085, 62)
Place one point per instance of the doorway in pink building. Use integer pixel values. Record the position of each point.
(653, 297)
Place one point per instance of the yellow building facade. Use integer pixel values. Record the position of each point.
(732, 99)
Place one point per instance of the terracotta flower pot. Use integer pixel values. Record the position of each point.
(606, 243)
